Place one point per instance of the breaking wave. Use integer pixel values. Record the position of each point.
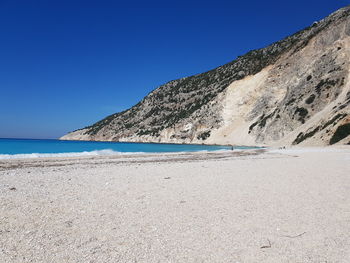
(67, 154)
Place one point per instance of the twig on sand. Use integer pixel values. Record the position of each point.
(296, 235)
(267, 246)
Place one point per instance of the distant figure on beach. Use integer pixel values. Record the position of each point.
(231, 148)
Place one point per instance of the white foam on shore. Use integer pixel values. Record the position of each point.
(107, 152)
(67, 154)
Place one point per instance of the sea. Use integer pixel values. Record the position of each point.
(33, 148)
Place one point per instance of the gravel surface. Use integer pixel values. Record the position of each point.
(274, 206)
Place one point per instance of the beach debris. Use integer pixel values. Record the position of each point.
(167, 177)
(296, 235)
(182, 201)
(13, 188)
(4, 231)
(267, 246)
(69, 223)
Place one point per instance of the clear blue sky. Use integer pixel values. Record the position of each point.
(67, 64)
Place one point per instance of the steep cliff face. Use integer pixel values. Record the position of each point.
(295, 91)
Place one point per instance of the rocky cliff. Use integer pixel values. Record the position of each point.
(293, 92)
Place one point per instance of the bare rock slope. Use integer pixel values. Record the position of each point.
(293, 92)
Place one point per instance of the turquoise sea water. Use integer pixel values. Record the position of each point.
(29, 148)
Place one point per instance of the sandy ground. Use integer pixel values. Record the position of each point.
(277, 206)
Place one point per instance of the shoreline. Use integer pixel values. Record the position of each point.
(139, 142)
(170, 143)
(107, 153)
(132, 158)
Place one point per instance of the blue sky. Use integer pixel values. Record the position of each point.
(67, 64)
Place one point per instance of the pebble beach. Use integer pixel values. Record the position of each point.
(289, 205)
